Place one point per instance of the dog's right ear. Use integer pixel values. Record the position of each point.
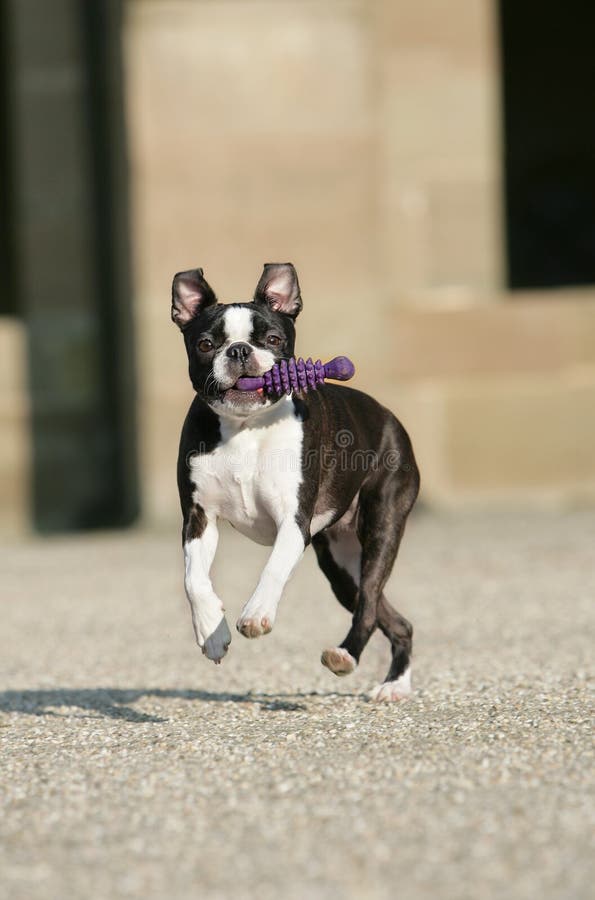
(190, 293)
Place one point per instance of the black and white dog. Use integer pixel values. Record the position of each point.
(332, 467)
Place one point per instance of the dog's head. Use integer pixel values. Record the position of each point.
(227, 341)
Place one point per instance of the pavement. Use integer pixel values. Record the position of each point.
(130, 766)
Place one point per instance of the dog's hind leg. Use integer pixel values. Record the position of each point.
(397, 684)
(339, 557)
(357, 565)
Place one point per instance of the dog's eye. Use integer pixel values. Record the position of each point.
(273, 340)
(205, 346)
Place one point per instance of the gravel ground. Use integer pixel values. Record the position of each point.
(132, 767)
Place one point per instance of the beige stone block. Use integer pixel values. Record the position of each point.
(13, 351)
(523, 439)
(15, 449)
(421, 410)
(257, 147)
(439, 147)
(274, 212)
(461, 29)
(526, 434)
(436, 106)
(541, 332)
(440, 237)
(266, 66)
(162, 423)
(462, 236)
(439, 65)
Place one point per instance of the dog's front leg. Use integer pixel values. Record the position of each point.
(210, 627)
(258, 615)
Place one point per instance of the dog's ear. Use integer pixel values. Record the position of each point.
(279, 289)
(189, 294)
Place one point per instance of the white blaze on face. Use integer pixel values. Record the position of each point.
(238, 325)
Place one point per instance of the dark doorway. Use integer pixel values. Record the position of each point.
(548, 65)
(65, 213)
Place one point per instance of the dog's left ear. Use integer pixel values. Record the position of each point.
(279, 288)
(189, 294)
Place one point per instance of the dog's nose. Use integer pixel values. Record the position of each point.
(239, 351)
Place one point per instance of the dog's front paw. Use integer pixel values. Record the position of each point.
(215, 646)
(254, 626)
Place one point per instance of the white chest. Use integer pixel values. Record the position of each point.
(252, 477)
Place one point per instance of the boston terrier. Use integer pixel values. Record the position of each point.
(330, 467)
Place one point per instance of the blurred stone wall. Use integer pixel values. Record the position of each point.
(357, 139)
(254, 139)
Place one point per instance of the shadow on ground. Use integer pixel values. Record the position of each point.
(114, 703)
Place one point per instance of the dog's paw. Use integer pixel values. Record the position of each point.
(254, 626)
(393, 691)
(215, 646)
(338, 660)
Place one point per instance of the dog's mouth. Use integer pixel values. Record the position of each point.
(237, 397)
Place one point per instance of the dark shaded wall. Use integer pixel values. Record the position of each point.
(65, 215)
(548, 68)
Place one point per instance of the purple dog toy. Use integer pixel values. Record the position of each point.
(298, 375)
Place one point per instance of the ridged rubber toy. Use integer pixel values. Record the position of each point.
(298, 375)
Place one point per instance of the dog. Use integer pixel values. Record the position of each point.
(330, 467)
